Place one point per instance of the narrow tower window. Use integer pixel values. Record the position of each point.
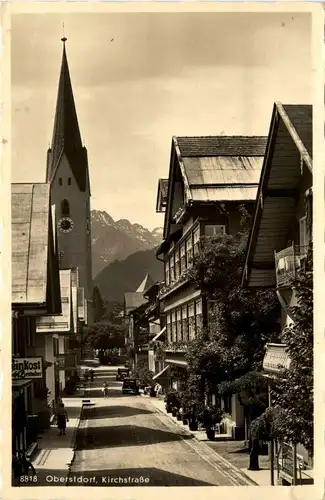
(60, 181)
(69, 181)
(65, 208)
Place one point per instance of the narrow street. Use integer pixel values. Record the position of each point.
(125, 440)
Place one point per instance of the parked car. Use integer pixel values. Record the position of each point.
(122, 373)
(130, 386)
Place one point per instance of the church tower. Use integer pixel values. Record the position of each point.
(67, 172)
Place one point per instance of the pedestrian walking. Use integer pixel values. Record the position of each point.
(62, 419)
(105, 390)
(158, 390)
(92, 375)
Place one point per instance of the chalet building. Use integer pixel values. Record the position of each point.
(281, 231)
(209, 178)
(35, 292)
(132, 302)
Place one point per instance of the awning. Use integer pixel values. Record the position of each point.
(20, 383)
(158, 334)
(177, 362)
(276, 358)
(161, 373)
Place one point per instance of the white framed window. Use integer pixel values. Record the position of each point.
(303, 238)
(172, 269)
(189, 251)
(168, 328)
(196, 241)
(198, 315)
(183, 257)
(174, 338)
(214, 230)
(184, 324)
(177, 269)
(178, 325)
(191, 321)
(167, 274)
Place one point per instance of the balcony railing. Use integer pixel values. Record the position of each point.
(288, 262)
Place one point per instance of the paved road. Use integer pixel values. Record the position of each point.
(125, 441)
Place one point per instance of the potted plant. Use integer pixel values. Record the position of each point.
(210, 416)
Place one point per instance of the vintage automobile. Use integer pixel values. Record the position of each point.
(130, 386)
(122, 373)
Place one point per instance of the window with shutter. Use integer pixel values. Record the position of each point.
(167, 275)
(168, 329)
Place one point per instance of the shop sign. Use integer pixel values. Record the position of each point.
(27, 368)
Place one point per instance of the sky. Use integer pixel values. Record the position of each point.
(139, 79)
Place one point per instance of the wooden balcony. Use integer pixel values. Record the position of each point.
(287, 263)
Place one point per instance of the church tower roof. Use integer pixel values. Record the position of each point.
(145, 284)
(66, 134)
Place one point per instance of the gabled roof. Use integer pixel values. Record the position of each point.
(221, 146)
(162, 195)
(287, 160)
(145, 284)
(59, 322)
(132, 300)
(66, 134)
(215, 169)
(32, 246)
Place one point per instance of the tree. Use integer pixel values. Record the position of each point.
(244, 320)
(105, 335)
(98, 305)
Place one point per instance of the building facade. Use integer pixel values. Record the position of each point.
(209, 178)
(279, 240)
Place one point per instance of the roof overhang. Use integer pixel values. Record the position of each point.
(161, 373)
(286, 159)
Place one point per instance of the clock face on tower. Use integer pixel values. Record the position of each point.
(66, 224)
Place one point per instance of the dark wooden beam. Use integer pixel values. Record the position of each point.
(263, 265)
(281, 193)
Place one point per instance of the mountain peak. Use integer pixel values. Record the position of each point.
(116, 240)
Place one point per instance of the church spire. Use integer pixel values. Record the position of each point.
(66, 134)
